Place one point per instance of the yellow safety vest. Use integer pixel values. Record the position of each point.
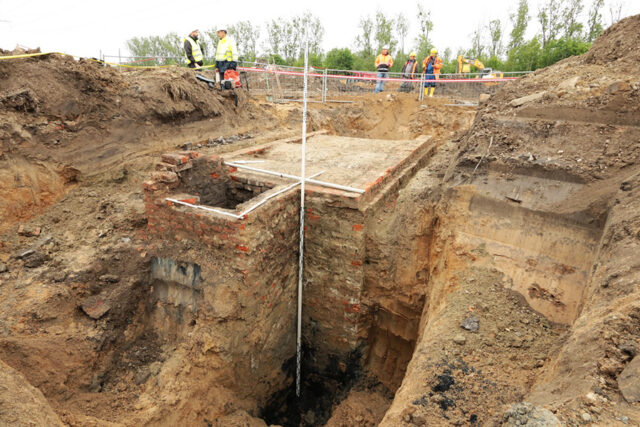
(226, 50)
(196, 52)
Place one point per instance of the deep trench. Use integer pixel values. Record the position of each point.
(513, 229)
(319, 391)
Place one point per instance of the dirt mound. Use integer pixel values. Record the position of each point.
(55, 94)
(618, 43)
(561, 143)
(578, 116)
(18, 51)
(62, 120)
(21, 404)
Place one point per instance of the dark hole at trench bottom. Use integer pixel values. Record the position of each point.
(319, 391)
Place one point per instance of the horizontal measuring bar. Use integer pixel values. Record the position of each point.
(309, 180)
(261, 202)
(206, 208)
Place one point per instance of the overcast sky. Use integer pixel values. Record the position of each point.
(86, 28)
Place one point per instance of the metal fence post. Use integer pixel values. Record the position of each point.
(266, 79)
(324, 87)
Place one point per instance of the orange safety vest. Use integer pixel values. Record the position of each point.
(437, 64)
(384, 62)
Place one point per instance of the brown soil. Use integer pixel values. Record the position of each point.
(504, 271)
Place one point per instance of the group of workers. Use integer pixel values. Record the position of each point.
(431, 66)
(226, 52)
(227, 59)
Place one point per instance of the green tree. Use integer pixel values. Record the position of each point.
(446, 55)
(519, 21)
(312, 26)
(615, 10)
(570, 14)
(169, 45)
(557, 50)
(209, 38)
(276, 59)
(594, 22)
(550, 18)
(274, 40)
(477, 44)
(525, 57)
(425, 26)
(286, 37)
(339, 59)
(495, 33)
(290, 40)
(315, 60)
(364, 39)
(246, 35)
(384, 32)
(402, 28)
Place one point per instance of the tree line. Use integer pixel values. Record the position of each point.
(500, 45)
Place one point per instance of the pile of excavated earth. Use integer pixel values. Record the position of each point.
(488, 275)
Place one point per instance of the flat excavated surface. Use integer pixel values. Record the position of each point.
(355, 162)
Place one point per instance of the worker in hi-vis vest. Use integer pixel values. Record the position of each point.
(193, 50)
(383, 63)
(431, 70)
(226, 54)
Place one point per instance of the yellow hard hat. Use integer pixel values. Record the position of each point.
(413, 54)
(434, 51)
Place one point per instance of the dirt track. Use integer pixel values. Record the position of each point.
(523, 226)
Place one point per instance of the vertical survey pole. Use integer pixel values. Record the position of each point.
(324, 87)
(302, 190)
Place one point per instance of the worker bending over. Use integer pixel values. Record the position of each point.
(408, 72)
(226, 54)
(193, 50)
(431, 69)
(383, 63)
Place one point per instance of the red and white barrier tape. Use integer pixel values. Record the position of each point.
(375, 78)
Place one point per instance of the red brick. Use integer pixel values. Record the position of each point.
(149, 186)
(191, 200)
(174, 158)
(168, 177)
(190, 154)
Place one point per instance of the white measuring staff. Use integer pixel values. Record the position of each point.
(302, 190)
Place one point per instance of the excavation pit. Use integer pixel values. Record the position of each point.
(240, 228)
(237, 219)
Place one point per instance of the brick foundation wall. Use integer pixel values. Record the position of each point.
(245, 317)
(334, 257)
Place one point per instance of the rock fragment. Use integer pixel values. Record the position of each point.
(628, 381)
(471, 323)
(95, 306)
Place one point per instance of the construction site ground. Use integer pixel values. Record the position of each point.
(500, 278)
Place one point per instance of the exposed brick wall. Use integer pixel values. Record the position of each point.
(208, 179)
(242, 188)
(334, 257)
(246, 315)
